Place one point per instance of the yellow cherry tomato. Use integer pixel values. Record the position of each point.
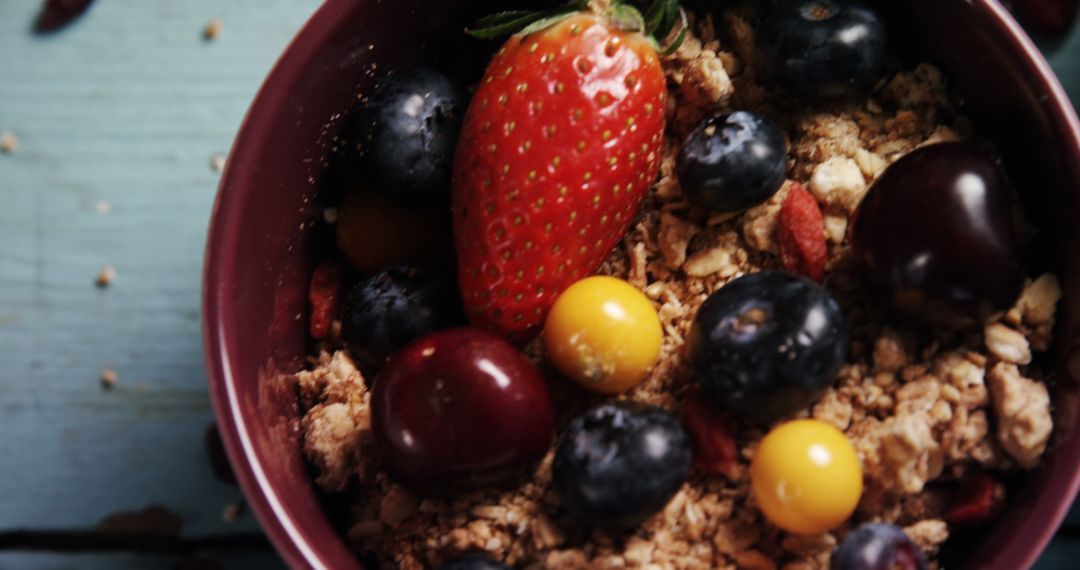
(806, 477)
(603, 333)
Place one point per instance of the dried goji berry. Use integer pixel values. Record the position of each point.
(325, 298)
(713, 435)
(801, 232)
(57, 14)
(978, 500)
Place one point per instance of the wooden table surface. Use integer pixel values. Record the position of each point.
(117, 119)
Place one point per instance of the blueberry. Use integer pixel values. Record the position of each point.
(732, 162)
(620, 463)
(404, 137)
(474, 563)
(821, 47)
(877, 547)
(396, 306)
(768, 344)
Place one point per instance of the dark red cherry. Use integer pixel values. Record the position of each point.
(936, 240)
(460, 408)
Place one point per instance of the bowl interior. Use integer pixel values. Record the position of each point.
(259, 256)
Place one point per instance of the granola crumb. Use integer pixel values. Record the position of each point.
(334, 441)
(1037, 306)
(217, 162)
(1007, 344)
(759, 222)
(109, 378)
(8, 142)
(1023, 413)
(231, 512)
(212, 30)
(928, 535)
(871, 164)
(106, 275)
(754, 560)
(838, 183)
(911, 456)
(890, 353)
(675, 235)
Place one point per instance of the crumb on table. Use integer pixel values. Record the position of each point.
(8, 142)
(106, 275)
(217, 162)
(212, 30)
(231, 512)
(109, 378)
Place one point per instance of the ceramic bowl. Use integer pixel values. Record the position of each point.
(261, 241)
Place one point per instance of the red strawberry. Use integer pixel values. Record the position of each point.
(559, 146)
(801, 232)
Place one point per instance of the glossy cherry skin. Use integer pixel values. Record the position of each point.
(459, 408)
(936, 240)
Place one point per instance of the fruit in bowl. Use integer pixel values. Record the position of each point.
(459, 405)
(906, 409)
(1049, 18)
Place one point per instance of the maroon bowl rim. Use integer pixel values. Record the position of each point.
(265, 502)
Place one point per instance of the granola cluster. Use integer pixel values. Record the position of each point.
(923, 412)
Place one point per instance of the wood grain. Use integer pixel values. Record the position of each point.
(262, 560)
(126, 107)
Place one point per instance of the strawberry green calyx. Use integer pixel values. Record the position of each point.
(659, 22)
(662, 20)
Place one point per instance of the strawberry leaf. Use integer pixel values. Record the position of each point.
(677, 42)
(662, 17)
(545, 23)
(672, 18)
(661, 20)
(654, 17)
(503, 23)
(525, 21)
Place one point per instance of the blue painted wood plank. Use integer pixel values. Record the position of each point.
(133, 561)
(1062, 554)
(1065, 59)
(126, 106)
